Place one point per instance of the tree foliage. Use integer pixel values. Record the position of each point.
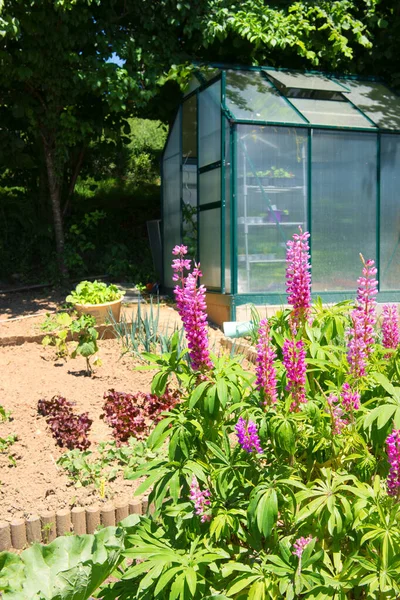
(61, 87)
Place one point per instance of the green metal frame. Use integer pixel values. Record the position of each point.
(207, 168)
(223, 200)
(378, 206)
(162, 160)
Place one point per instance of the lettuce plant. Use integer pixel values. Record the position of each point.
(70, 430)
(133, 414)
(94, 292)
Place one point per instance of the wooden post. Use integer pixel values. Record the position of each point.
(5, 536)
(18, 533)
(33, 529)
(78, 516)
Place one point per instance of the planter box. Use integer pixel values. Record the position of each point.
(100, 311)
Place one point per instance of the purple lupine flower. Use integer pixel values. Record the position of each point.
(393, 452)
(248, 436)
(294, 360)
(300, 544)
(191, 304)
(200, 500)
(350, 399)
(298, 278)
(266, 372)
(339, 421)
(390, 326)
(362, 335)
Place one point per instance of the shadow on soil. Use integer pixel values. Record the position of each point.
(20, 304)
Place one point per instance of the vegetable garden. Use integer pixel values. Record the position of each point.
(283, 483)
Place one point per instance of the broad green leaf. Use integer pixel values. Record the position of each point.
(71, 567)
(217, 452)
(191, 578)
(222, 391)
(240, 583)
(198, 393)
(267, 512)
(165, 579)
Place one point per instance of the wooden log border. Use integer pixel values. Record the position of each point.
(48, 525)
(106, 332)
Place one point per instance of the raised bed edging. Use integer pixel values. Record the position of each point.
(106, 332)
(48, 525)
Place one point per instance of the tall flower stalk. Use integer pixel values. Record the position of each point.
(298, 279)
(362, 334)
(294, 360)
(191, 304)
(265, 369)
(390, 326)
(393, 452)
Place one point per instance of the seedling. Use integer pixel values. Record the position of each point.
(87, 340)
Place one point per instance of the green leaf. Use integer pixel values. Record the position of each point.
(222, 391)
(86, 349)
(159, 383)
(165, 579)
(385, 383)
(198, 393)
(241, 582)
(70, 567)
(148, 483)
(267, 512)
(191, 579)
(218, 452)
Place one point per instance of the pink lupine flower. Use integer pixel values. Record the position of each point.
(350, 399)
(298, 278)
(339, 421)
(191, 304)
(248, 436)
(393, 452)
(362, 335)
(294, 360)
(200, 500)
(300, 544)
(266, 372)
(390, 326)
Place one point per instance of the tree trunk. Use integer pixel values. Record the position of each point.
(55, 197)
(74, 177)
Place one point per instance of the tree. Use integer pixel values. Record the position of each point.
(59, 83)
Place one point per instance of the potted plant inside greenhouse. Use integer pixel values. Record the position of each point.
(98, 299)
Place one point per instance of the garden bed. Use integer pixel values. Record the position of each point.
(31, 480)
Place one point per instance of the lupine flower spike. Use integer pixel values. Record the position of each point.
(298, 279)
(248, 436)
(266, 372)
(294, 360)
(390, 326)
(338, 416)
(191, 304)
(200, 500)
(350, 399)
(300, 544)
(393, 452)
(362, 335)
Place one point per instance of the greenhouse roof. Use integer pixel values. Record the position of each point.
(267, 95)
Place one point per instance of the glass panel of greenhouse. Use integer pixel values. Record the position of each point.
(255, 154)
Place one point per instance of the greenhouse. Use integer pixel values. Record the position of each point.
(254, 154)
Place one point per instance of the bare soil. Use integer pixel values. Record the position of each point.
(32, 481)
